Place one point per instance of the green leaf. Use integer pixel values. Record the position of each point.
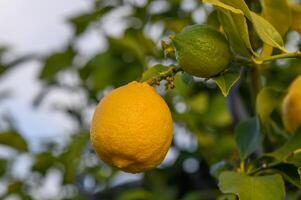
(296, 17)
(266, 101)
(293, 143)
(266, 51)
(198, 103)
(194, 195)
(267, 33)
(278, 13)
(227, 197)
(71, 157)
(217, 113)
(239, 4)
(99, 71)
(43, 161)
(212, 20)
(2, 68)
(153, 71)
(288, 172)
(57, 62)
(82, 22)
(219, 167)
(295, 158)
(123, 62)
(175, 24)
(264, 29)
(3, 49)
(269, 187)
(106, 68)
(146, 44)
(226, 6)
(226, 80)
(187, 78)
(14, 187)
(235, 27)
(3, 164)
(299, 172)
(13, 140)
(131, 45)
(248, 137)
(286, 151)
(135, 194)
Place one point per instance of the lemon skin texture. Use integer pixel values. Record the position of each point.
(202, 51)
(291, 106)
(132, 128)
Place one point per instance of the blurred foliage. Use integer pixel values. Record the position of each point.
(224, 133)
(13, 140)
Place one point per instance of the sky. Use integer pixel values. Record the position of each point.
(36, 26)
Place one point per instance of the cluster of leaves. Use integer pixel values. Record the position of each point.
(241, 147)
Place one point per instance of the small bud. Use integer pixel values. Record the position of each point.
(167, 49)
(157, 82)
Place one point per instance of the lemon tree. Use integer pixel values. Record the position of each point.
(169, 100)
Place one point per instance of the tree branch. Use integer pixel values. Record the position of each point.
(279, 56)
(163, 75)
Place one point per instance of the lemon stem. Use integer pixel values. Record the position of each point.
(263, 167)
(242, 166)
(163, 75)
(280, 56)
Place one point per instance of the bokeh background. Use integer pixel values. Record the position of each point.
(58, 58)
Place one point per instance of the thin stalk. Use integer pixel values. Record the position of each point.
(163, 75)
(263, 167)
(255, 80)
(279, 56)
(242, 166)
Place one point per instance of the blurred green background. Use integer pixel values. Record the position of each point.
(45, 150)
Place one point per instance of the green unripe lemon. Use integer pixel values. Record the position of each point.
(202, 51)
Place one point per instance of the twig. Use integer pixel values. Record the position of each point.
(263, 167)
(242, 166)
(163, 75)
(22, 59)
(279, 56)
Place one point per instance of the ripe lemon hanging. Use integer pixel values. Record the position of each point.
(132, 128)
(202, 51)
(291, 106)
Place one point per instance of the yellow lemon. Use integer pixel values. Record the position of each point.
(132, 128)
(295, 86)
(291, 106)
